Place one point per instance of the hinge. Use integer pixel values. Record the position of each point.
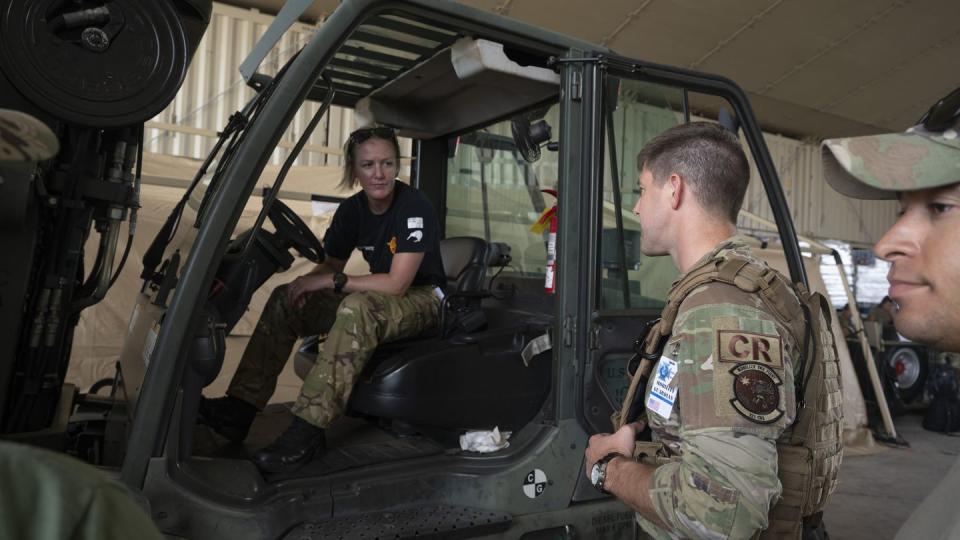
(568, 331)
(576, 84)
(594, 339)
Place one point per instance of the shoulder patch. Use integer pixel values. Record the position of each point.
(415, 223)
(736, 346)
(756, 392)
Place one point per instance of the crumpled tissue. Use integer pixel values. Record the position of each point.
(484, 441)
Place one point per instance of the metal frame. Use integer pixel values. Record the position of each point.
(161, 383)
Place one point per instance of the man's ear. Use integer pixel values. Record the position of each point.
(677, 190)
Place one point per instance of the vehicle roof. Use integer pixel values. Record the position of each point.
(387, 38)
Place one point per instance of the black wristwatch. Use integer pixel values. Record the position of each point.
(599, 471)
(339, 282)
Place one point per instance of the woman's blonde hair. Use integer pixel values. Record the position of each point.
(349, 180)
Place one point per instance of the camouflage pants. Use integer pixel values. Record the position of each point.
(355, 325)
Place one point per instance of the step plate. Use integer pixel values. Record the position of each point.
(421, 523)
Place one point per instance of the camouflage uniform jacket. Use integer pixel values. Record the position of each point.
(49, 496)
(728, 368)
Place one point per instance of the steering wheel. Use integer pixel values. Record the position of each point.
(292, 229)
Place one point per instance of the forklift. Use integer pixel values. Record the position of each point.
(507, 121)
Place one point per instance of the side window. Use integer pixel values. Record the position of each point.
(640, 111)
(494, 194)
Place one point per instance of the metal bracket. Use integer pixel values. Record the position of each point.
(288, 15)
(594, 339)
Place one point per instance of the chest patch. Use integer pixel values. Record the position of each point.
(392, 244)
(736, 346)
(756, 392)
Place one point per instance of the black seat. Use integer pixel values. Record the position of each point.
(474, 380)
(465, 265)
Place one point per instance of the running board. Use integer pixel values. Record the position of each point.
(421, 523)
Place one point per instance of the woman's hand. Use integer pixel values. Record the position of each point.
(299, 289)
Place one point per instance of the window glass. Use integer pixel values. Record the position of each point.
(494, 194)
(640, 112)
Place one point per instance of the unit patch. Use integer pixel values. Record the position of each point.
(735, 346)
(756, 392)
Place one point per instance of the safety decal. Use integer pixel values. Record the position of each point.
(534, 483)
(756, 392)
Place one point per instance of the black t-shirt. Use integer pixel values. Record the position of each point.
(410, 225)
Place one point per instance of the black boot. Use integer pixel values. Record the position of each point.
(293, 449)
(228, 416)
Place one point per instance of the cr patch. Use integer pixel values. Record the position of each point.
(736, 346)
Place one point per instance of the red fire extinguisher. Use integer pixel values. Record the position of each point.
(548, 220)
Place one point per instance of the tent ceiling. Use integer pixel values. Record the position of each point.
(817, 68)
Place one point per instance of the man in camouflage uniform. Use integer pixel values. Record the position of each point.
(397, 231)
(920, 168)
(722, 392)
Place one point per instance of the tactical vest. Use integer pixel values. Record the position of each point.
(810, 450)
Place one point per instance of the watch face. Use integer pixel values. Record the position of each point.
(595, 474)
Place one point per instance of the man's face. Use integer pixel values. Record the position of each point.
(651, 208)
(925, 271)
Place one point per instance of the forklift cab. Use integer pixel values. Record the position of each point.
(498, 111)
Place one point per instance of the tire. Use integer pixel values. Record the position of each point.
(910, 368)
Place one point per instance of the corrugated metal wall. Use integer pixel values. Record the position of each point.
(214, 89)
(818, 211)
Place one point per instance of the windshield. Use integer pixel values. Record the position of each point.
(494, 194)
(640, 112)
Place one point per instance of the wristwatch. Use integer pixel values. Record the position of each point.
(599, 471)
(339, 281)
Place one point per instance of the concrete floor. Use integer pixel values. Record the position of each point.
(877, 493)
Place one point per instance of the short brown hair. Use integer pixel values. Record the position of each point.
(349, 180)
(706, 155)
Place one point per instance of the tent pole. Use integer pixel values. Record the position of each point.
(867, 352)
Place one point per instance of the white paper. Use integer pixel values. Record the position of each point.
(484, 441)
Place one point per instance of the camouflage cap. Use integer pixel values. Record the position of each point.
(24, 138)
(880, 166)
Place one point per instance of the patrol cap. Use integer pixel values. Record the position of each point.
(925, 156)
(23, 138)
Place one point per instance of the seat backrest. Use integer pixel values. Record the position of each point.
(464, 262)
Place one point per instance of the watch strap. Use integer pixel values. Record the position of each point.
(602, 464)
(339, 282)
